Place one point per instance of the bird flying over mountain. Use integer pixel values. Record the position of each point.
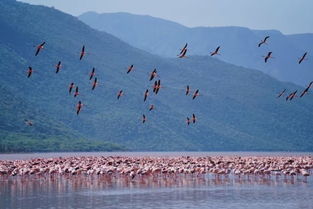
(263, 41)
(58, 67)
(216, 51)
(306, 90)
(130, 68)
(82, 53)
(302, 58)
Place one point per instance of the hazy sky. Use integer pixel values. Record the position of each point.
(288, 16)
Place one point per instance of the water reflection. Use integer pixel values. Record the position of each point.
(154, 192)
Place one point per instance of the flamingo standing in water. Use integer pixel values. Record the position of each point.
(263, 41)
(39, 48)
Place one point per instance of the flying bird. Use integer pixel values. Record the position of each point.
(183, 54)
(144, 118)
(151, 107)
(146, 95)
(263, 41)
(281, 93)
(155, 86)
(82, 53)
(76, 92)
(29, 71)
(153, 74)
(268, 56)
(130, 68)
(92, 74)
(306, 90)
(302, 58)
(187, 90)
(216, 51)
(71, 88)
(195, 94)
(183, 49)
(58, 67)
(120, 93)
(188, 121)
(291, 96)
(194, 118)
(94, 84)
(79, 107)
(158, 87)
(39, 47)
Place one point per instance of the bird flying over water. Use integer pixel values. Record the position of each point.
(306, 90)
(92, 74)
(293, 95)
(263, 41)
(39, 47)
(195, 94)
(82, 53)
(58, 67)
(130, 68)
(216, 51)
(302, 58)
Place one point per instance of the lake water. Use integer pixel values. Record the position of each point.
(155, 193)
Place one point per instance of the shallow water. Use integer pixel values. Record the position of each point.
(156, 193)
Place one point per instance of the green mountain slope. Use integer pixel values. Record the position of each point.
(236, 109)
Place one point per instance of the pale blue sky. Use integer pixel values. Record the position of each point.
(288, 16)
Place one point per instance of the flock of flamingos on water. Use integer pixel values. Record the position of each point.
(157, 83)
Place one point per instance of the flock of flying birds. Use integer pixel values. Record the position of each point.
(157, 83)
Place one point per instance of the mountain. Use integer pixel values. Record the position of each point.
(237, 108)
(238, 44)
